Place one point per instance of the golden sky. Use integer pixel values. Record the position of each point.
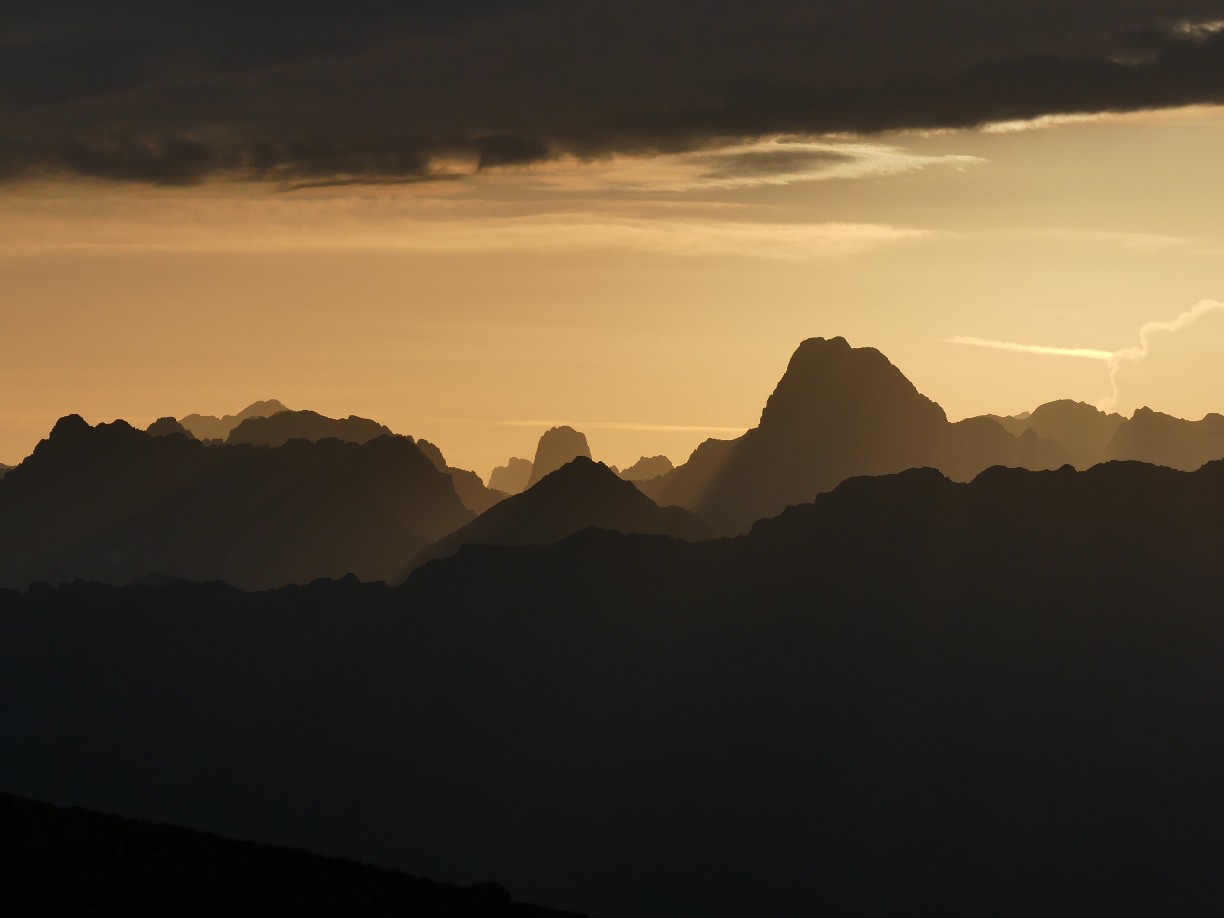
(650, 300)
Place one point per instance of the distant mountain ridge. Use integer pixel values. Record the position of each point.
(279, 428)
(837, 412)
(557, 447)
(209, 427)
(582, 494)
(646, 467)
(112, 503)
(840, 412)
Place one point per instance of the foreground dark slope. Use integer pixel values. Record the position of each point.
(911, 696)
(113, 504)
(74, 862)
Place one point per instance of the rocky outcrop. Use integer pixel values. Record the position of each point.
(113, 504)
(646, 468)
(210, 427)
(580, 495)
(557, 447)
(512, 477)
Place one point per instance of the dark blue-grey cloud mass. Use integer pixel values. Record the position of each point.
(375, 90)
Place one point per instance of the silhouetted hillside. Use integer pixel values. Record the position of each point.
(911, 696)
(512, 477)
(168, 427)
(112, 503)
(837, 412)
(278, 429)
(647, 467)
(974, 444)
(557, 447)
(471, 490)
(5, 469)
(580, 495)
(210, 427)
(1149, 436)
(1083, 431)
(75, 862)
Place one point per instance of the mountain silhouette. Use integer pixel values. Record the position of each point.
(557, 447)
(580, 495)
(511, 477)
(471, 490)
(974, 444)
(837, 412)
(75, 862)
(1082, 430)
(5, 469)
(1150, 436)
(168, 427)
(647, 467)
(278, 429)
(909, 696)
(112, 503)
(210, 427)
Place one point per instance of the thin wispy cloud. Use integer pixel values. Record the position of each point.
(1114, 359)
(1086, 353)
(770, 161)
(1139, 352)
(393, 223)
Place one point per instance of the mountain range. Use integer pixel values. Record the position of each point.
(114, 504)
(210, 427)
(911, 695)
(289, 496)
(581, 494)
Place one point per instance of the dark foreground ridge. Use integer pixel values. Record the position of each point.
(911, 696)
(75, 862)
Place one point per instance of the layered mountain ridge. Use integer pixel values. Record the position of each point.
(911, 695)
(837, 412)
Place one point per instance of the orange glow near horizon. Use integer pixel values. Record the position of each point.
(651, 302)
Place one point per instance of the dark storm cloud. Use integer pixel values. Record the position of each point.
(380, 90)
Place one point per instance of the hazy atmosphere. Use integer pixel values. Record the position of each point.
(452, 220)
(652, 459)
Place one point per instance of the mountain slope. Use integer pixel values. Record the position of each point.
(837, 412)
(580, 495)
(210, 427)
(112, 503)
(278, 429)
(1150, 436)
(74, 862)
(911, 696)
(557, 446)
(1082, 430)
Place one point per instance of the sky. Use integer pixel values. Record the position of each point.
(474, 221)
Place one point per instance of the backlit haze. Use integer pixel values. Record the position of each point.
(647, 291)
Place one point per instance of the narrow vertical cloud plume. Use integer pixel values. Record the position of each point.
(1115, 359)
(1140, 351)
